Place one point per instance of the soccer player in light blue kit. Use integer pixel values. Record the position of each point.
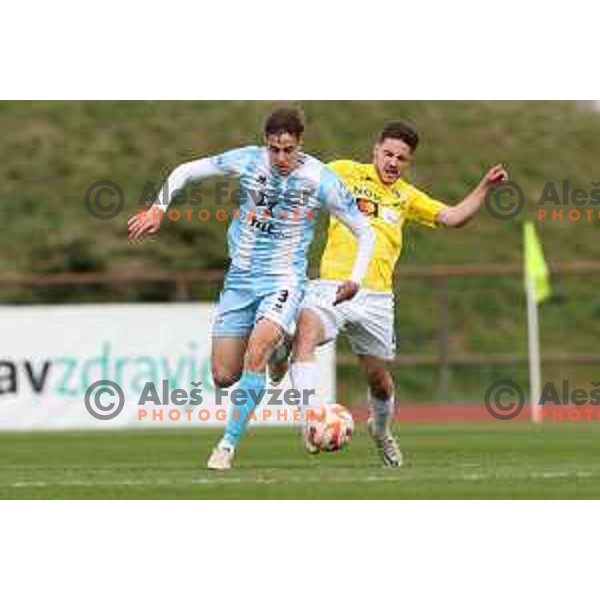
(282, 189)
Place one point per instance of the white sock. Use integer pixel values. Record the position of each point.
(382, 411)
(304, 379)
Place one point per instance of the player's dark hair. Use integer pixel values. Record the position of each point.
(285, 119)
(397, 130)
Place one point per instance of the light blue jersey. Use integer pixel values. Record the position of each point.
(271, 233)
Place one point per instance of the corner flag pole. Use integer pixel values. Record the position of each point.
(533, 336)
(537, 289)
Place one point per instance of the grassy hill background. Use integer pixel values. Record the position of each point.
(51, 152)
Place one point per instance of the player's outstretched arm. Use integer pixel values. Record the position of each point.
(464, 211)
(147, 222)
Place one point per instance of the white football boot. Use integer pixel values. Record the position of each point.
(221, 459)
(387, 447)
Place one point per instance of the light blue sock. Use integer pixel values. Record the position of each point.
(253, 384)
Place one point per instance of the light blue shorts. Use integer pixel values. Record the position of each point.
(246, 298)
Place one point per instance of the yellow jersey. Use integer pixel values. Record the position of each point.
(388, 207)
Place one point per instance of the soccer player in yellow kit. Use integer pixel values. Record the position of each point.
(389, 201)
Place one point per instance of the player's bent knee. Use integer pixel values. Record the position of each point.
(223, 378)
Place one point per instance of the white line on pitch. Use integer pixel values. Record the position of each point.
(287, 480)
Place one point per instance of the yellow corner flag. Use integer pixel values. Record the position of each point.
(535, 265)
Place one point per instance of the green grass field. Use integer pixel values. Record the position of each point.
(502, 460)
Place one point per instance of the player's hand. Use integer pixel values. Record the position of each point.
(346, 291)
(495, 175)
(143, 224)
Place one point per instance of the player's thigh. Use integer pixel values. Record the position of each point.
(311, 332)
(232, 326)
(263, 340)
(227, 359)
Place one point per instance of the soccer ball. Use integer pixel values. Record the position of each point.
(329, 427)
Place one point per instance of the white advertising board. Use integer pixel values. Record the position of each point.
(155, 359)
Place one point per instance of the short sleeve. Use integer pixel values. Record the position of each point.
(423, 209)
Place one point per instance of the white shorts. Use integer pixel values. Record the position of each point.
(367, 320)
